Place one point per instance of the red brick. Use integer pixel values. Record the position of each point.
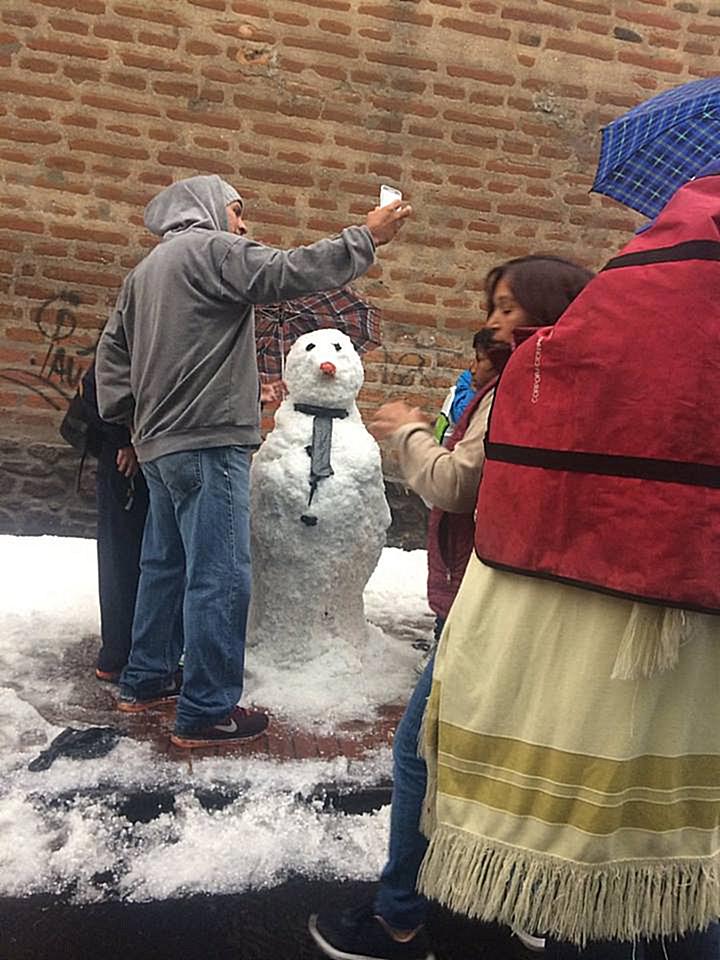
(29, 134)
(79, 120)
(401, 60)
(108, 30)
(650, 62)
(593, 51)
(81, 72)
(17, 156)
(118, 105)
(82, 6)
(484, 76)
(149, 62)
(31, 88)
(66, 25)
(23, 224)
(151, 12)
(323, 45)
(167, 41)
(201, 48)
(132, 81)
(475, 27)
(705, 28)
(68, 48)
(635, 16)
(21, 18)
(194, 162)
(532, 14)
(108, 148)
(38, 65)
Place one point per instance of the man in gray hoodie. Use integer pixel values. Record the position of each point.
(177, 362)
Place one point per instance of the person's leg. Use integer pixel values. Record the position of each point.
(157, 635)
(120, 525)
(210, 489)
(397, 901)
(389, 928)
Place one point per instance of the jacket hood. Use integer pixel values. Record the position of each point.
(195, 202)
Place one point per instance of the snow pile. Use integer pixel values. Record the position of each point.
(71, 829)
(318, 514)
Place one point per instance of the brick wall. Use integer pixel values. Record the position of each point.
(486, 113)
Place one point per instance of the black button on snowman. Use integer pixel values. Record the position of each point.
(318, 509)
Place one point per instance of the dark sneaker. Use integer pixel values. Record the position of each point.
(359, 935)
(239, 726)
(130, 702)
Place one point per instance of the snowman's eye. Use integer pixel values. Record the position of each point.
(310, 346)
(337, 347)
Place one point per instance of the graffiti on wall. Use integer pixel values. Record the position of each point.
(61, 361)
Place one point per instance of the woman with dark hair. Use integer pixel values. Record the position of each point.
(391, 927)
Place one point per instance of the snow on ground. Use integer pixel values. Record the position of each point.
(70, 829)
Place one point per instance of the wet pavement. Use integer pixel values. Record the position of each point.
(261, 925)
(265, 924)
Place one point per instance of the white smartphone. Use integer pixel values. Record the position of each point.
(388, 195)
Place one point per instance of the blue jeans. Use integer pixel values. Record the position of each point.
(694, 946)
(194, 585)
(397, 901)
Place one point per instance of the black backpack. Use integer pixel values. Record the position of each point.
(81, 426)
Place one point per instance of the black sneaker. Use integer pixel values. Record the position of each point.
(358, 934)
(130, 702)
(239, 726)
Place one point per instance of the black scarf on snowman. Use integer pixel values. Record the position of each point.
(319, 450)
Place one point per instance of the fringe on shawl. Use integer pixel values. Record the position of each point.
(572, 902)
(651, 642)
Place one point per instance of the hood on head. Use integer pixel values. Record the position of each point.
(195, 202)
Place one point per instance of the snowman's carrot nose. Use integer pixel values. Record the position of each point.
(328, 368)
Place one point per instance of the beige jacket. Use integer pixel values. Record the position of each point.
(447, 479)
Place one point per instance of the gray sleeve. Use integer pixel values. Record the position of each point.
(112, 371)
(255, 273)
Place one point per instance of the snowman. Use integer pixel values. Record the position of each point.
(318, 511)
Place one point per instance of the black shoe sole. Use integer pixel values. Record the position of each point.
(330, 951)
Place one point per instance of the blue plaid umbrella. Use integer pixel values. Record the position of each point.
(656, 147)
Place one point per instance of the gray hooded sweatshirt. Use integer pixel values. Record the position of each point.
(177, 360)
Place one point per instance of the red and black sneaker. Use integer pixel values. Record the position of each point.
(107, 676)
(240, 726)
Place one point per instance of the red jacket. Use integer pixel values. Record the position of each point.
(603, 448)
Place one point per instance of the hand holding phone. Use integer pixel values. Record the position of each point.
(386, 219)
(389, 195)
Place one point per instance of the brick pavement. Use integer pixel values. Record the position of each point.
(92, 702)
(281, 742)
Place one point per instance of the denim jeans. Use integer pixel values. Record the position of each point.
(397, 901)
(194, 585)
(694, 946)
